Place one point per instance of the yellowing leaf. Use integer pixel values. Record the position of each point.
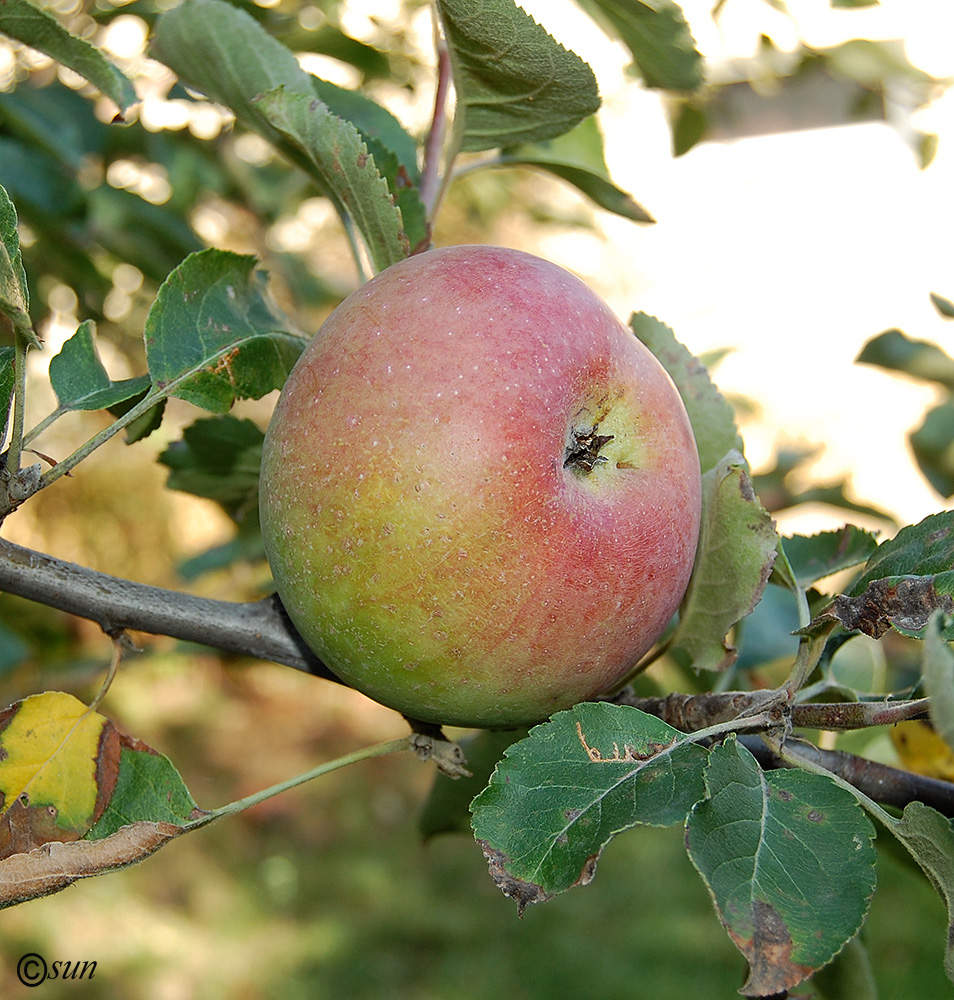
(922, 750)
(58, 766)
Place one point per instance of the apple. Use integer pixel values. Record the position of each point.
(480, 493)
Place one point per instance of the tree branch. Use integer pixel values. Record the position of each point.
(259, 629)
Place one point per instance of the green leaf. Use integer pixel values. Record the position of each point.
(559, 796)
(447, 809)
(945, 307)
(142, 426)
(374, 122)
(226, 54)
(689, 126)
(393, 149)
(658, 37)
(14, 292)
(775, 488)
(710, 413)
(336, 153)
(246, 546)
(148, 789)
(515, 84)
(218, 458)
(813, 557)
(921, 359)
(737, 547)
(788, 859)
(922, 549)
(577, 157)
(212, 335)
(79, 379)
(937, 667)
(929, 837)
(933, 445)
(35, 27)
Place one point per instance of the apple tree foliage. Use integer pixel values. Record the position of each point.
(780, 829)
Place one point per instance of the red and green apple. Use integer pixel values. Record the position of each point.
(480, 492)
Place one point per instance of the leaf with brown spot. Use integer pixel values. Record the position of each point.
(59, 762)
(788, 859)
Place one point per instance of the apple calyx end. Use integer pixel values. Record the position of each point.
(583, 452)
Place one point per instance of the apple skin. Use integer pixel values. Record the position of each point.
(424, 532)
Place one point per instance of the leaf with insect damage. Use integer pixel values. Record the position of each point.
(560, 795)
(922, 549)
(55, 866)
(788, 859)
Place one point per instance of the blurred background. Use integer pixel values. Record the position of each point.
(803, 208)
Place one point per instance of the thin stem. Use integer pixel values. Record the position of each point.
(115, 660)
(378, 750)
(87, 448)
(432, 186)
(810, 651)
(46, 422)
(870, 782)
(19, 405)
(353, 242)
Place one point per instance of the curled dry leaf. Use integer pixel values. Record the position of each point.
(905, 602)
(54, 866)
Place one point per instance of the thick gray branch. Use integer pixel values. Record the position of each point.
(260, 629)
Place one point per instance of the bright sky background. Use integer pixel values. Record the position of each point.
(792, 249)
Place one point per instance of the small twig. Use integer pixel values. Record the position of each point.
(845, 715)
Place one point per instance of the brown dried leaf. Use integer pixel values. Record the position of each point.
(54, 866)
(906, 602)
